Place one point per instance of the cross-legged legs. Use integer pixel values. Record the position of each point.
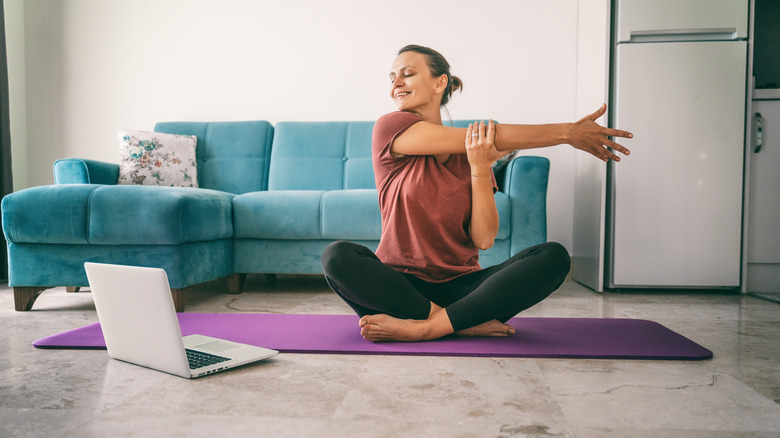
(396, 306)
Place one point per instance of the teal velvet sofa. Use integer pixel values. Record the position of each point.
(270, 199)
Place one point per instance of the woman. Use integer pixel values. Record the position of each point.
(436, 189)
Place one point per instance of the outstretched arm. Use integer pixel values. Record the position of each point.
(425, 138)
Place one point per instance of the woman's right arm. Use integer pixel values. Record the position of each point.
(424, 138)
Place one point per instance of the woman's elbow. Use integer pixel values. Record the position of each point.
(484, 244)
(483, 237)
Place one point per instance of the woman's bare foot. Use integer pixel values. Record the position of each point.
(378, 328)
(383, 328)
(490, 328)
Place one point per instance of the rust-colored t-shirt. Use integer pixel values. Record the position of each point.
(425, 206)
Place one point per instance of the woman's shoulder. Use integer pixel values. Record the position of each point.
(391, 125)
(397, 118)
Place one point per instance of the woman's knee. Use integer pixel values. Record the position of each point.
(341, 254)
(332, 254)
(559, 258)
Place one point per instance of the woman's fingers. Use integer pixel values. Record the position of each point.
(599, 112)
(608, 155)
(617, 133)
(603, 151)
(480, 133)
(618, 147)
(480, 144)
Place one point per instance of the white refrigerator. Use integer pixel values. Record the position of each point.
(674, 206)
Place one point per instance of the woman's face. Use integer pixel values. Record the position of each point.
(412, 85)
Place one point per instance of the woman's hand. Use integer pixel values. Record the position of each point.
(589, 136)
(481, 147)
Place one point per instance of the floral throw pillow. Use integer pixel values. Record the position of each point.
(503, 161)
(157, 159)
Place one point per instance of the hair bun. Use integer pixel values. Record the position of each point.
(457, 84)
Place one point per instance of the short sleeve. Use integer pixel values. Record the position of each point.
(386, 129)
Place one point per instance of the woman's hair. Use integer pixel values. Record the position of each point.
(438, 66)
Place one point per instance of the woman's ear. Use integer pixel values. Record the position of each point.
(441, 84)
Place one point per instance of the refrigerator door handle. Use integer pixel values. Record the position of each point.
(758, 128)
(694, 34)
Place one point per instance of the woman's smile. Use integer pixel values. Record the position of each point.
(401, 94)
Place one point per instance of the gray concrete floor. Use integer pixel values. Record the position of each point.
(84, 393)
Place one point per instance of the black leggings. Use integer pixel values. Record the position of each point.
(499, 292)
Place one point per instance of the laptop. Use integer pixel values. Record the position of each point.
(139, 323)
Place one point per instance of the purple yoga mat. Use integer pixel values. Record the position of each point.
(340, 334)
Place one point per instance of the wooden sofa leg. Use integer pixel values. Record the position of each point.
(235, 283)
(25, 296)
(178, 299)
(72, 289)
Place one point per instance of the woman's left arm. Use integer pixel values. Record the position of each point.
(482, 153)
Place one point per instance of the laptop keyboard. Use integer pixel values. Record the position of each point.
(200, 359)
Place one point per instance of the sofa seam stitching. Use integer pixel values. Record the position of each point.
(89, 215)
(179, 209)
(270, 135)
(203, 161)
(86, 171)
(322, 220)
(344, 162)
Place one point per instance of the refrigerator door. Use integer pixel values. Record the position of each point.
(679, 20)
(763, 236)
(677, 200)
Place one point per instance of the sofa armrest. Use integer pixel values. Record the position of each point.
(81, 171)
(525, 182)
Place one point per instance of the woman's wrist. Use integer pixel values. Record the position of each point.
(564, 133)
(480, 171)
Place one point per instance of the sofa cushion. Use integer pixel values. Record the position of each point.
(351, 215)
(279, 214)
(149, 215)
(157, 159)
(232, 156)
(358, 166)
(321, 156)
(48, 214)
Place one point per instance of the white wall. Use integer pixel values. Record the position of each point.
(95, 66)
(14, 31)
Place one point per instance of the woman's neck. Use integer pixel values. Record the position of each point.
(429, 113)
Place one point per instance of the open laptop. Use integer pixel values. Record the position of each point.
(139, 323)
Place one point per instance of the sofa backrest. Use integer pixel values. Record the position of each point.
(242, 157)
(324, 155)
(321, 156)
(232, 156)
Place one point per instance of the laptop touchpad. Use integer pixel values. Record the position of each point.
(216, 346)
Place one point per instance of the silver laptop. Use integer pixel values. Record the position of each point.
(139, 323)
